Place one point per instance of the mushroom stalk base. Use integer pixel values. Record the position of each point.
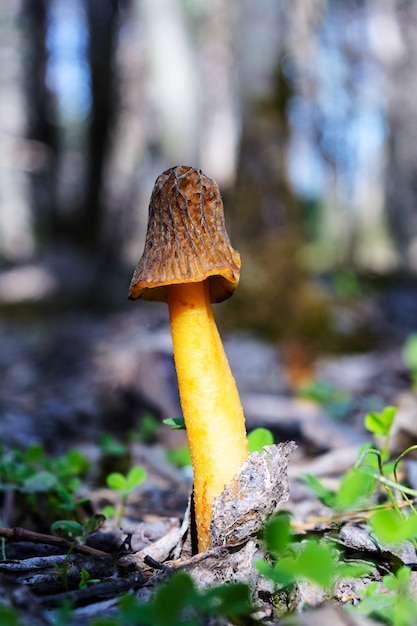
(209, 398)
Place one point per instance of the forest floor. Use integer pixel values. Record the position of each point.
(101, 384)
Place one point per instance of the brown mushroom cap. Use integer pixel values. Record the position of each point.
(186, 240)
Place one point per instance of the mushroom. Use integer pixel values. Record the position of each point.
(188, 262)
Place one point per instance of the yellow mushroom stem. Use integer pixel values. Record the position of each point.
(209, 398)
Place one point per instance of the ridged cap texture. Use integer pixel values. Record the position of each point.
(186, 240)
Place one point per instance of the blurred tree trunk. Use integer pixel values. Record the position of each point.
(70, 207)
(103, 22)
(401, 171)
(41, 120)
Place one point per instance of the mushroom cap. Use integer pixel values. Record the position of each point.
(186, 240)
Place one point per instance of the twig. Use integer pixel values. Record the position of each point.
(155, 564)
(99, 591)
(21, 534)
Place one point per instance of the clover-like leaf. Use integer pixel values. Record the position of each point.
(379, 424)
(116, 481)
(67, 529)
(259, 438)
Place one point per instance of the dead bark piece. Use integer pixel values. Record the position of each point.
(360, 540)
(42, 577)
(32, 563)
(159, 551)
(20, 600)
(221, 564)
(258, 490)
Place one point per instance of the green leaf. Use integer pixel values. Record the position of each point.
(178, 602)
(40, 481)
(313, 561)
(325, 495)
(8, 617)
(390, 528)
(85, 575)
(109, 511)
(135, 477)
(67, 529)
(35, 454)
(77, 462)
(354, 488)
(66, 499)
(277, 534)
(390, 582)
(403, 576)
(231, 600)
(176, 423)
(131, 611)
(352, 569)
(180, 457)
(376, 604)
(111, 446)
(379, 424)
(404, 611)
(264, 568)
(316, 563)
(258, 438)
(170, 599)
(371, 589)
(147, 428)
(282, 573)
(116, 481)
(73, 484)
(95, 522)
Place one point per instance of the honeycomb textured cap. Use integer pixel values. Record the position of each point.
(186, 240)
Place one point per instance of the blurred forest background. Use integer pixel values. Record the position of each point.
(304, 111)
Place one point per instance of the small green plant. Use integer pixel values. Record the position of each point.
(179, 603)
(110, 446)
(336, 402)
(390, 528)
(380, 424)
(86, 580)
(76, 533)
(392, 602)
(146, 430)
(47, 484)
(124, 486)
(291, 560)
(354, 493)
(373, 475)
(180, 457)
(359, 486)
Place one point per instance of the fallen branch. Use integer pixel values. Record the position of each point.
(21, 534)
(108, 589)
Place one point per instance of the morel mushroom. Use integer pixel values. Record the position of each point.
(188, 261)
